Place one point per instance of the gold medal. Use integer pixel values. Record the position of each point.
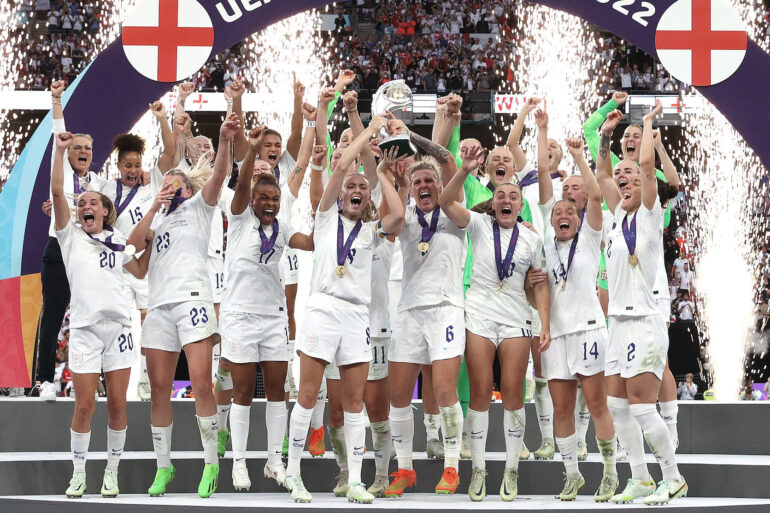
(176, 184)
(423, 247)
(340, 271)
(564, 286)
(633, 260)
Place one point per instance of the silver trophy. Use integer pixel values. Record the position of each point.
(394, 97)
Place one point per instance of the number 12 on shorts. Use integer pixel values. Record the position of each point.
(594, 351)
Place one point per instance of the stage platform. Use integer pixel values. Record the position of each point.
(722, 454)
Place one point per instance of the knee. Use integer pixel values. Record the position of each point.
(307, 397)
(563, 410)
(597, 405)
(336, 417)
(243, 395)
(116, 407)
(446, 395)
(84, 408)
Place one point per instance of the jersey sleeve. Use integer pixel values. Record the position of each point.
(474, 192)
(65, 235)
(591, 129)
(329, 146)
(97, 181)
(474, 223)
(454, 146)
(288, 231)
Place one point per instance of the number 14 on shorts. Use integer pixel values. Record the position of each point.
(590, 350)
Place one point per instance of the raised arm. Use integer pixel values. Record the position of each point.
(350, 101)
(184, 90)
(448, 201)
(439, 118)
(514, 137)
(242, 193)
(442, 156)
(316, 176)
(240, 141)
(57, 88)
(596, 120)
(166, 159)
(298, 173)
(223, 163)
(591, 186)
(392, 219)
(544, 181)
(647, 160)
(328, 95)
(669, 169)
(452, 119)
(293, 144)
(334, 186)
(60, 204)
(141, 234)
(607, 185)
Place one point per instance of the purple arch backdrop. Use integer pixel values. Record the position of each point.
(110, 96)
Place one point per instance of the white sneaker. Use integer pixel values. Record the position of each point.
(241, 479)
(297, 488)
(666, 491)
(47, 391)
(110, 484)
(276, 471)
(77, 485)
(635, 489)
(341, 489)
(143, 388)
(358, 493)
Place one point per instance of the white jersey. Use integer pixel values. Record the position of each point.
(437, 276)
(484, 298)
(356, 285)
(131, 211)
(660, 286)
(178, 270)
(217, 237)
(90, 182)
(574, 308)
(95, 274)
(397, 262)
(254, 278)
(379, 315)
(631, 287)
(285, 165)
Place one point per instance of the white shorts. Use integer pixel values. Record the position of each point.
(581, 353)
(250, 338)
(535, 323)
(378, 366)
(106, 346)
(216, 267)
(424, 335)
(289, 266)
(173, 326)
(492, 330)
(136, 290)
(664, 307)
(637, 345)
(336, 333)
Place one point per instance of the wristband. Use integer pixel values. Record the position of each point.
(317, 168)
(309, 123)
(230, 103)
(351, 110)
(55, 96)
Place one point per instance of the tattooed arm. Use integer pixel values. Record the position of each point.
(443, 156)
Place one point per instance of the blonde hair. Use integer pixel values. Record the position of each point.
(197, 176)
(112, 214)
(87, 136)
(426, 163)
(370, 212)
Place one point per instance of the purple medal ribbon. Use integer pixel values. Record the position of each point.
(277, 173)
(344, 249)
(267, 244)
(428, 231)
(114, 246)
(531, 178)
(490, 186)
(119, 194)
(76, 187)
(176, 201)
(503, 265)
(555, 175)
(572, 248)
(629, 234)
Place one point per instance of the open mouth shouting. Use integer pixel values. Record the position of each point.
(630, 149)
(89, 220)
(564, 227)
(356, 199)
(272, 157)
(624, 187)
(500, 173)
(268, 213)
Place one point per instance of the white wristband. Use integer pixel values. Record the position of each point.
(316, 168)
(310, 123)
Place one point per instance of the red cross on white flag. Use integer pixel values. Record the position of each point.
(167, 40)
(701, 42)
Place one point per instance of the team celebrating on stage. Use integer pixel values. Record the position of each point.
(430, 255)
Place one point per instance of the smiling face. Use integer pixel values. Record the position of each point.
(565, 220)
(355, 195)
(629, 181)
(425, 189)
(554, 155)
(632, 142)
(91, 212)
(266, 202)
(500, 166)
(270, 151)
(130, 167)
(80, 153)
(507, 203)
(573, 191)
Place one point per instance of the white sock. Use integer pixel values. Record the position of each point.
(115, 442)
(568, 450)
(381, 443)
(143, 367)
(223, 410)
(298, 426)
(544, 408)
(355, 443)
(223, 381)
(658, 438)
(514, 423)
(239, 430)
(478, 425)
(275, 420)
(607, 450)
(629, 434)
(317, 421)
(452, 427)
(209, 428)
(161, 444)
(669, 410)
(79, 447)
(337, 437)
(432, 424)
(582, 416)
(402, 432)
